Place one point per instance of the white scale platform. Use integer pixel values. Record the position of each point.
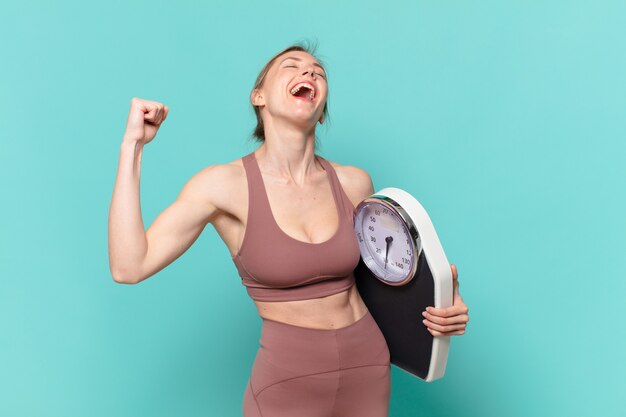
(398, 309)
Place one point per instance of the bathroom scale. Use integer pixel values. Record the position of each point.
(403, 269)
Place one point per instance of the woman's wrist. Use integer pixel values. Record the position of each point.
(130, 141)
(131, 152)
(131, 145)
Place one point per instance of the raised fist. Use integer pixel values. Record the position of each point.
(144, 119)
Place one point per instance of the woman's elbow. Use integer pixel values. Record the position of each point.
(122, 276)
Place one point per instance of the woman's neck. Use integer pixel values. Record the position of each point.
(288, 154)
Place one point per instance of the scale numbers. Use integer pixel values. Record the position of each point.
(386, 244)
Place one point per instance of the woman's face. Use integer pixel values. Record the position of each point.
(294, 88)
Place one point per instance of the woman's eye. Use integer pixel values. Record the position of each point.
(290, 66)
(321, 75)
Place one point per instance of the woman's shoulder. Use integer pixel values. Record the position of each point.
(218, 184)
(221, 172)
(355, 181)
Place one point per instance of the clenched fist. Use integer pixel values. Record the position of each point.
(144, 119)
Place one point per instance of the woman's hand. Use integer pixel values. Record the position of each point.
(144, 119)
(450, 320)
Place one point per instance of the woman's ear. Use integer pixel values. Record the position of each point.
(256, 98)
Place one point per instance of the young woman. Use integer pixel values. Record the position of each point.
(285, 214)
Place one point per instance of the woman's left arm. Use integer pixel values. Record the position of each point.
(448, 321)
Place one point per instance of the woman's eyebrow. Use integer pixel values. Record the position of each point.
(299, 59)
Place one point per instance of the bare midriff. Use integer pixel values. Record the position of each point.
(330, 312)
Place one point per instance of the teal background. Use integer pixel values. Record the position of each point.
(505, 119)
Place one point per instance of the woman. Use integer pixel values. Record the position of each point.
(285, 214)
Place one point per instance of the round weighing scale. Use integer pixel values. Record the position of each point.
(403, 269)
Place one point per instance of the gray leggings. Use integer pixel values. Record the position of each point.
(304, 372)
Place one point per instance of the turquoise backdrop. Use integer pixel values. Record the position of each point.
(506, 119)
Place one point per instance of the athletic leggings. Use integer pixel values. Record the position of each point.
(305, 372)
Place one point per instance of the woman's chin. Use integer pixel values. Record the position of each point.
(302, 120)
(305, 116)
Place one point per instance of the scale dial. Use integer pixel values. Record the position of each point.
(388, 240)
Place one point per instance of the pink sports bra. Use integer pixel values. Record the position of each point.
(276, 267)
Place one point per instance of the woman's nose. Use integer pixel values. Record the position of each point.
(309, 71)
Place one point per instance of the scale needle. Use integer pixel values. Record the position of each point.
(388, 240)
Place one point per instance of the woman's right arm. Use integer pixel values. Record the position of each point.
(136, 254)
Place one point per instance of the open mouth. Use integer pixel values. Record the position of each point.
(303, 90)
